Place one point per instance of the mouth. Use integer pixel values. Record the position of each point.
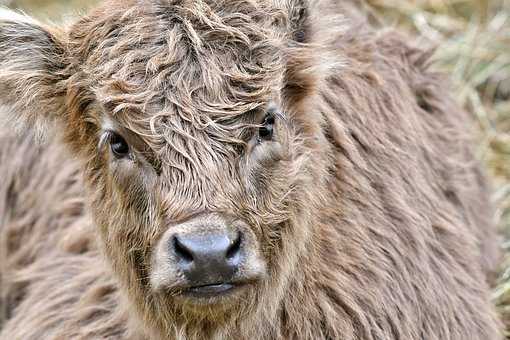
(211, 290)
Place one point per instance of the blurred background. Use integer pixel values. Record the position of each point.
(55, 10)
(473, 47)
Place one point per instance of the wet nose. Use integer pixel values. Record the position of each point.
(207, 258)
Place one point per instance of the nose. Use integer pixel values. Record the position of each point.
(208, 258)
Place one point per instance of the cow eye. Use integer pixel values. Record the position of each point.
(266, 129)
(118, 145)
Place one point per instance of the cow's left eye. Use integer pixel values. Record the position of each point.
(266, 129)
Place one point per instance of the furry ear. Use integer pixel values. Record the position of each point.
(32, 65)
(314, 27)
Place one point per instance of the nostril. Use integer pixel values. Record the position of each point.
(234, 248)
(181, 251)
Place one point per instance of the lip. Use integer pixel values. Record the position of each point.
(212, 290)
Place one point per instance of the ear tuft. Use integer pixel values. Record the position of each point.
(32, 65)
(313, 54)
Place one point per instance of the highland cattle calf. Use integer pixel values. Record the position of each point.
(235, 169)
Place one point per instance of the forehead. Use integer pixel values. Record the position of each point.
(201, 61)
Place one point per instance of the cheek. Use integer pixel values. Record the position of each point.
(265, 170)
(124, 206)
(132, 186)
(267, 181)
(128, 229)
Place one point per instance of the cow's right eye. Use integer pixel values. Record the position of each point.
(118, 145)
(266, 129)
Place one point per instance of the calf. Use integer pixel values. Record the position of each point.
(235, 169)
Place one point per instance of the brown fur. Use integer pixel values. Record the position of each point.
(369, 209)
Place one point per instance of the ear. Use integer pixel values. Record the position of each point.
(32, 77)
(313, 27)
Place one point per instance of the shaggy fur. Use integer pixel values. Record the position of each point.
(368, 206)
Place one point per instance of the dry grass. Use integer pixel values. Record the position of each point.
(473, 46)
(51, 9)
